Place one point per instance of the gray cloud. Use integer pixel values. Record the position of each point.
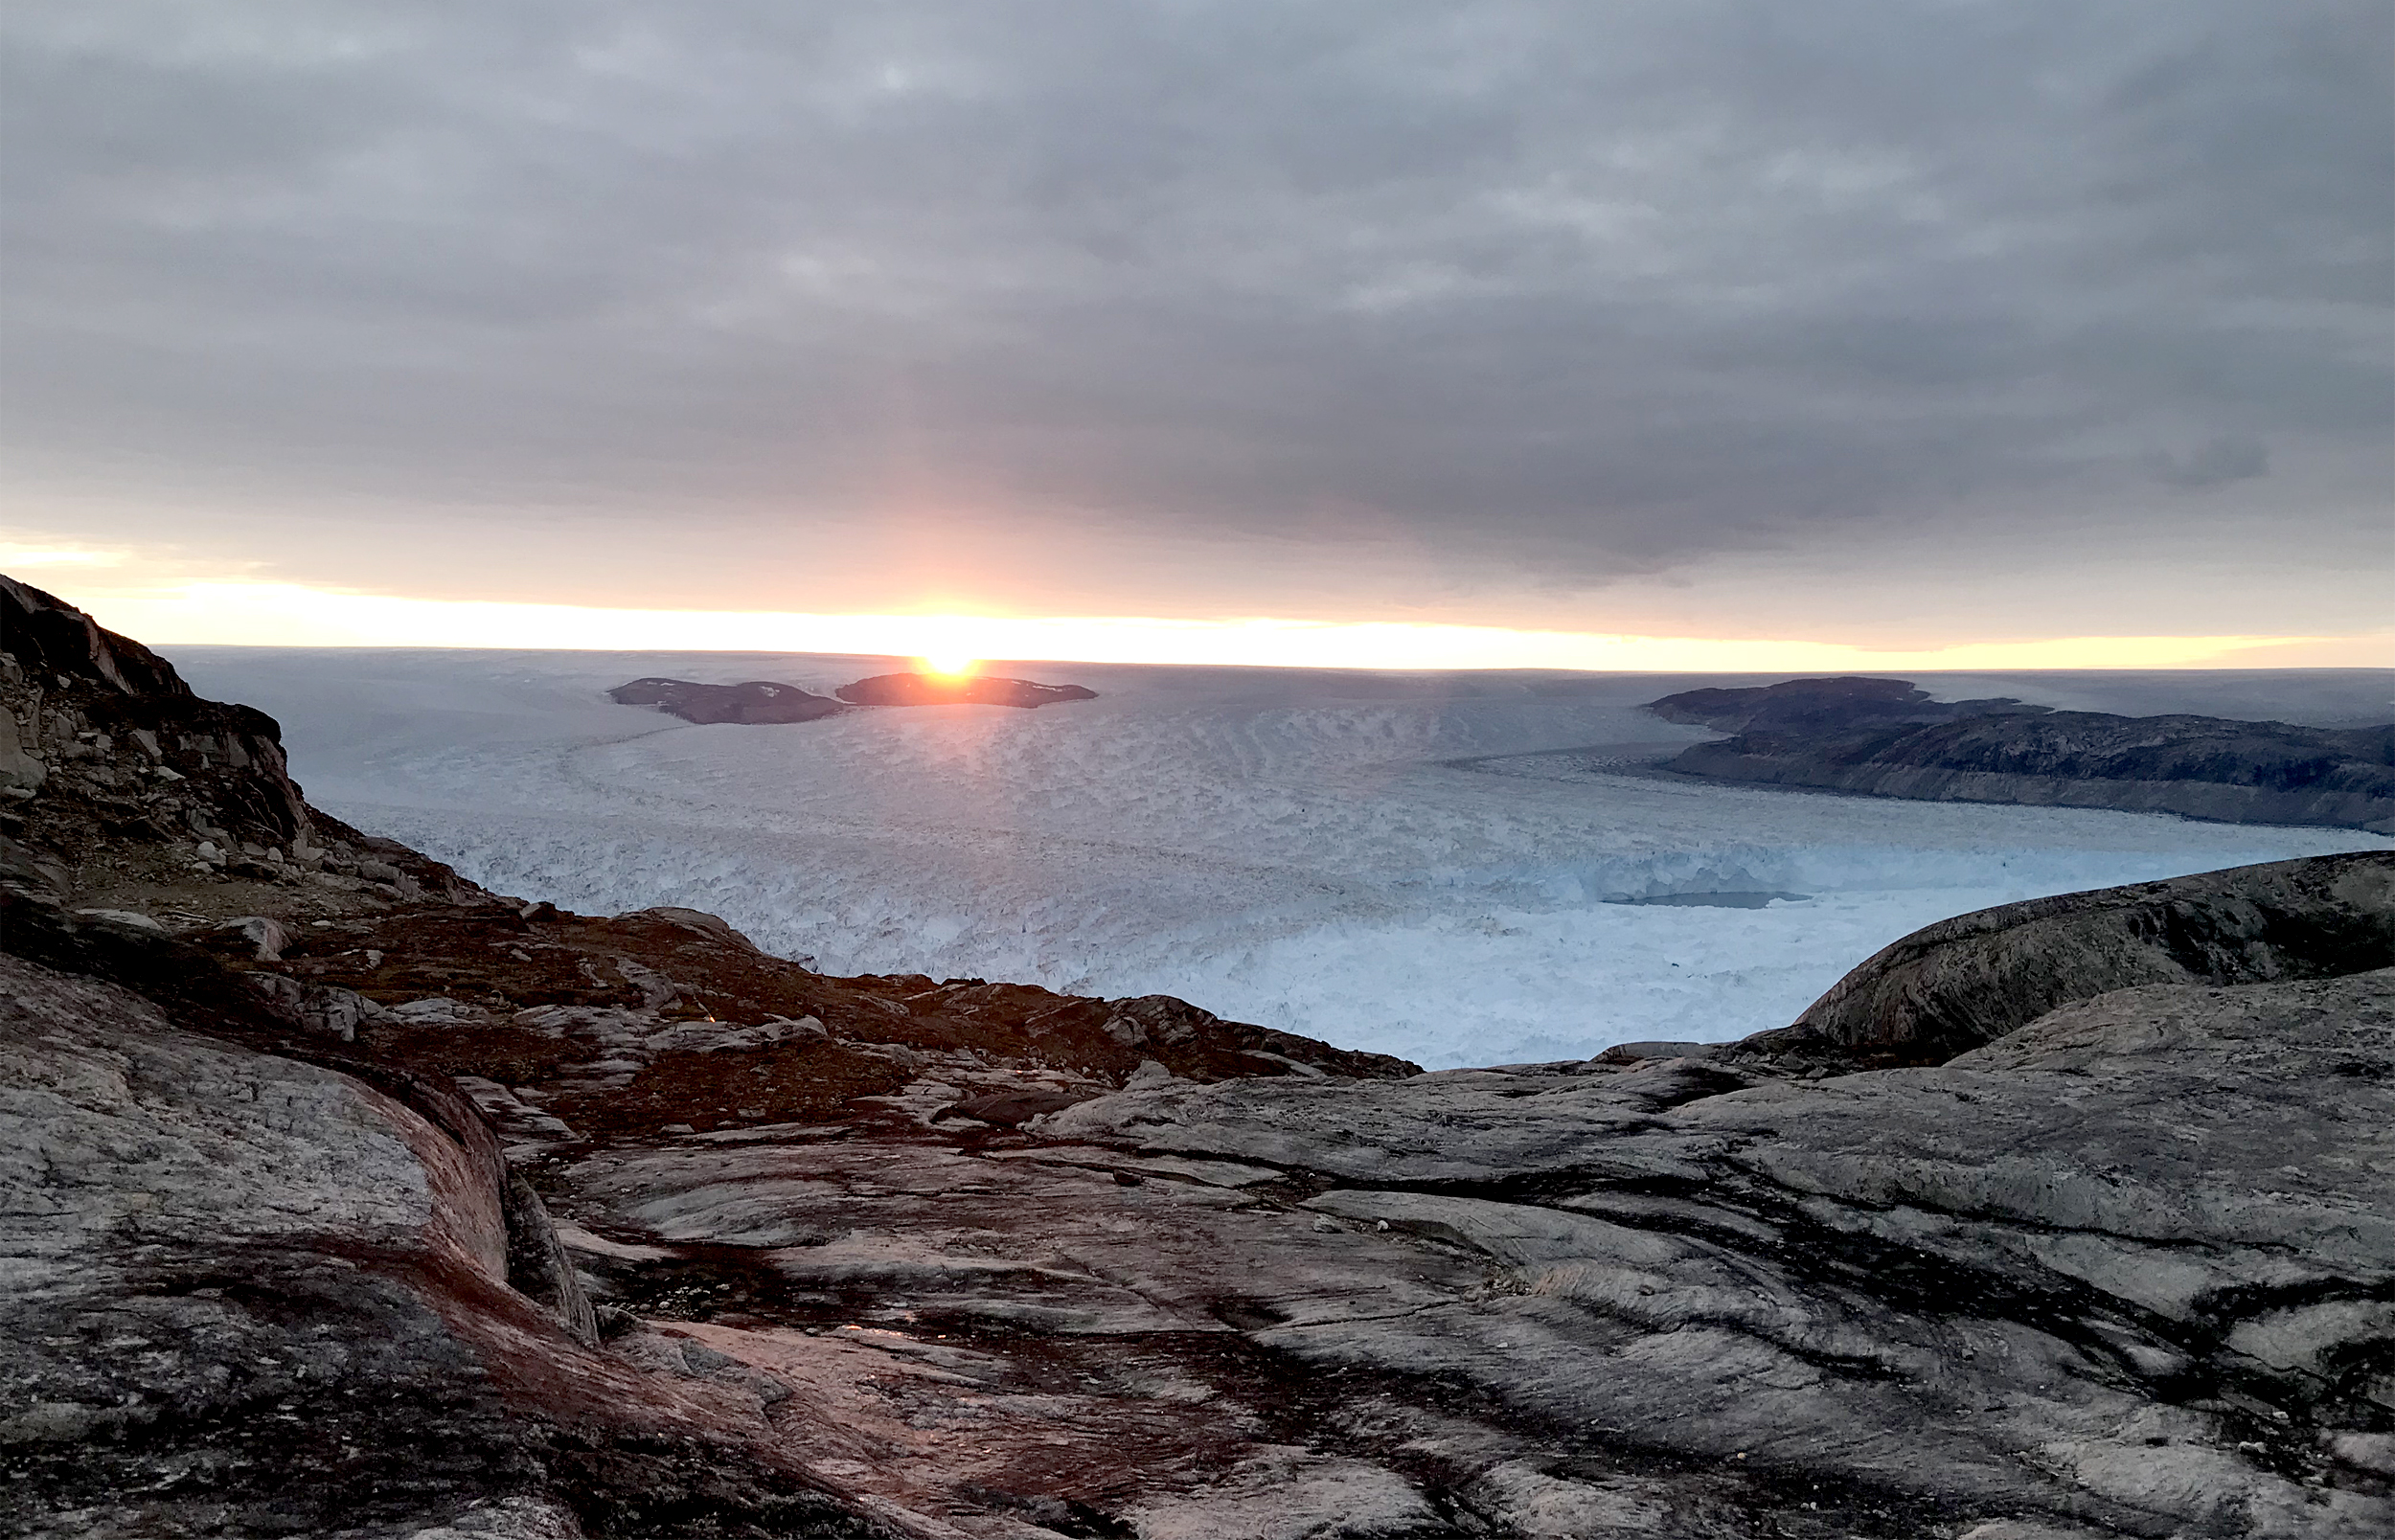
(1558, 289)
(2214, 462)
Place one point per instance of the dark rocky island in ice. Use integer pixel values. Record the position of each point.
(756, 700)
(1884, 738)
(759, 700)
(967, 689)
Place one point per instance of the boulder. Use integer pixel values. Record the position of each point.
(324, 1009)
(713, 927)
(257, 936)
(122, 919)
(19, 770)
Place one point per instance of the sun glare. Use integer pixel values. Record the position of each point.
(259, 614)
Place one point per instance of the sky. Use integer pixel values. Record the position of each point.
(1706, 333)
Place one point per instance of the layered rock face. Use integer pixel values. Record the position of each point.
(1885, 743)
(428, 1212)
(113, 774)
(101, 718)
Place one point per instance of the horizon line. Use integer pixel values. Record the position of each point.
(291, 615)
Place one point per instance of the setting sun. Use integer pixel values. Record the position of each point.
(954, 664)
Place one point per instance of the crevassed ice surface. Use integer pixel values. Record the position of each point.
(1401, 863)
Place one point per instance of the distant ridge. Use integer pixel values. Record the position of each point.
(1884, 738)
(1816, 705)
(757, 700)
(762, 701)
(977, 690)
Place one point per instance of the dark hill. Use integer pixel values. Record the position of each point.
(978, 690)
(1884, 738)
(757, 700)
(762, 701)
(1822, 705)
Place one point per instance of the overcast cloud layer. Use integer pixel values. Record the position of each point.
(1503, 299)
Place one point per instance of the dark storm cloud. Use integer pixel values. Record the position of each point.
(1581, 286)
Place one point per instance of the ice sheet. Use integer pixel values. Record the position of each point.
(1298, 849)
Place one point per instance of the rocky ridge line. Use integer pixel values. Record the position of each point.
(1882, 738)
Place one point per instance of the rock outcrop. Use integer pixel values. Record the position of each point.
(412, 1211)
(968, 689)
(47, 636)
(757, 700)
(2124, 1271)
(1962, 983)
(250, 1294)
(92, 716)
(1881, 741)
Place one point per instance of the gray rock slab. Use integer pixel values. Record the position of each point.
(241, 1293)
(2127, 1264)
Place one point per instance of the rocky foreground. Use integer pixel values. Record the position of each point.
(1882, 737)
(365, 1202)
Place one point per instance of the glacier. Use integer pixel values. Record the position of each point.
(1429, 865)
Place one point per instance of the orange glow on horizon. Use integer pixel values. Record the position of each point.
(953, 645)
